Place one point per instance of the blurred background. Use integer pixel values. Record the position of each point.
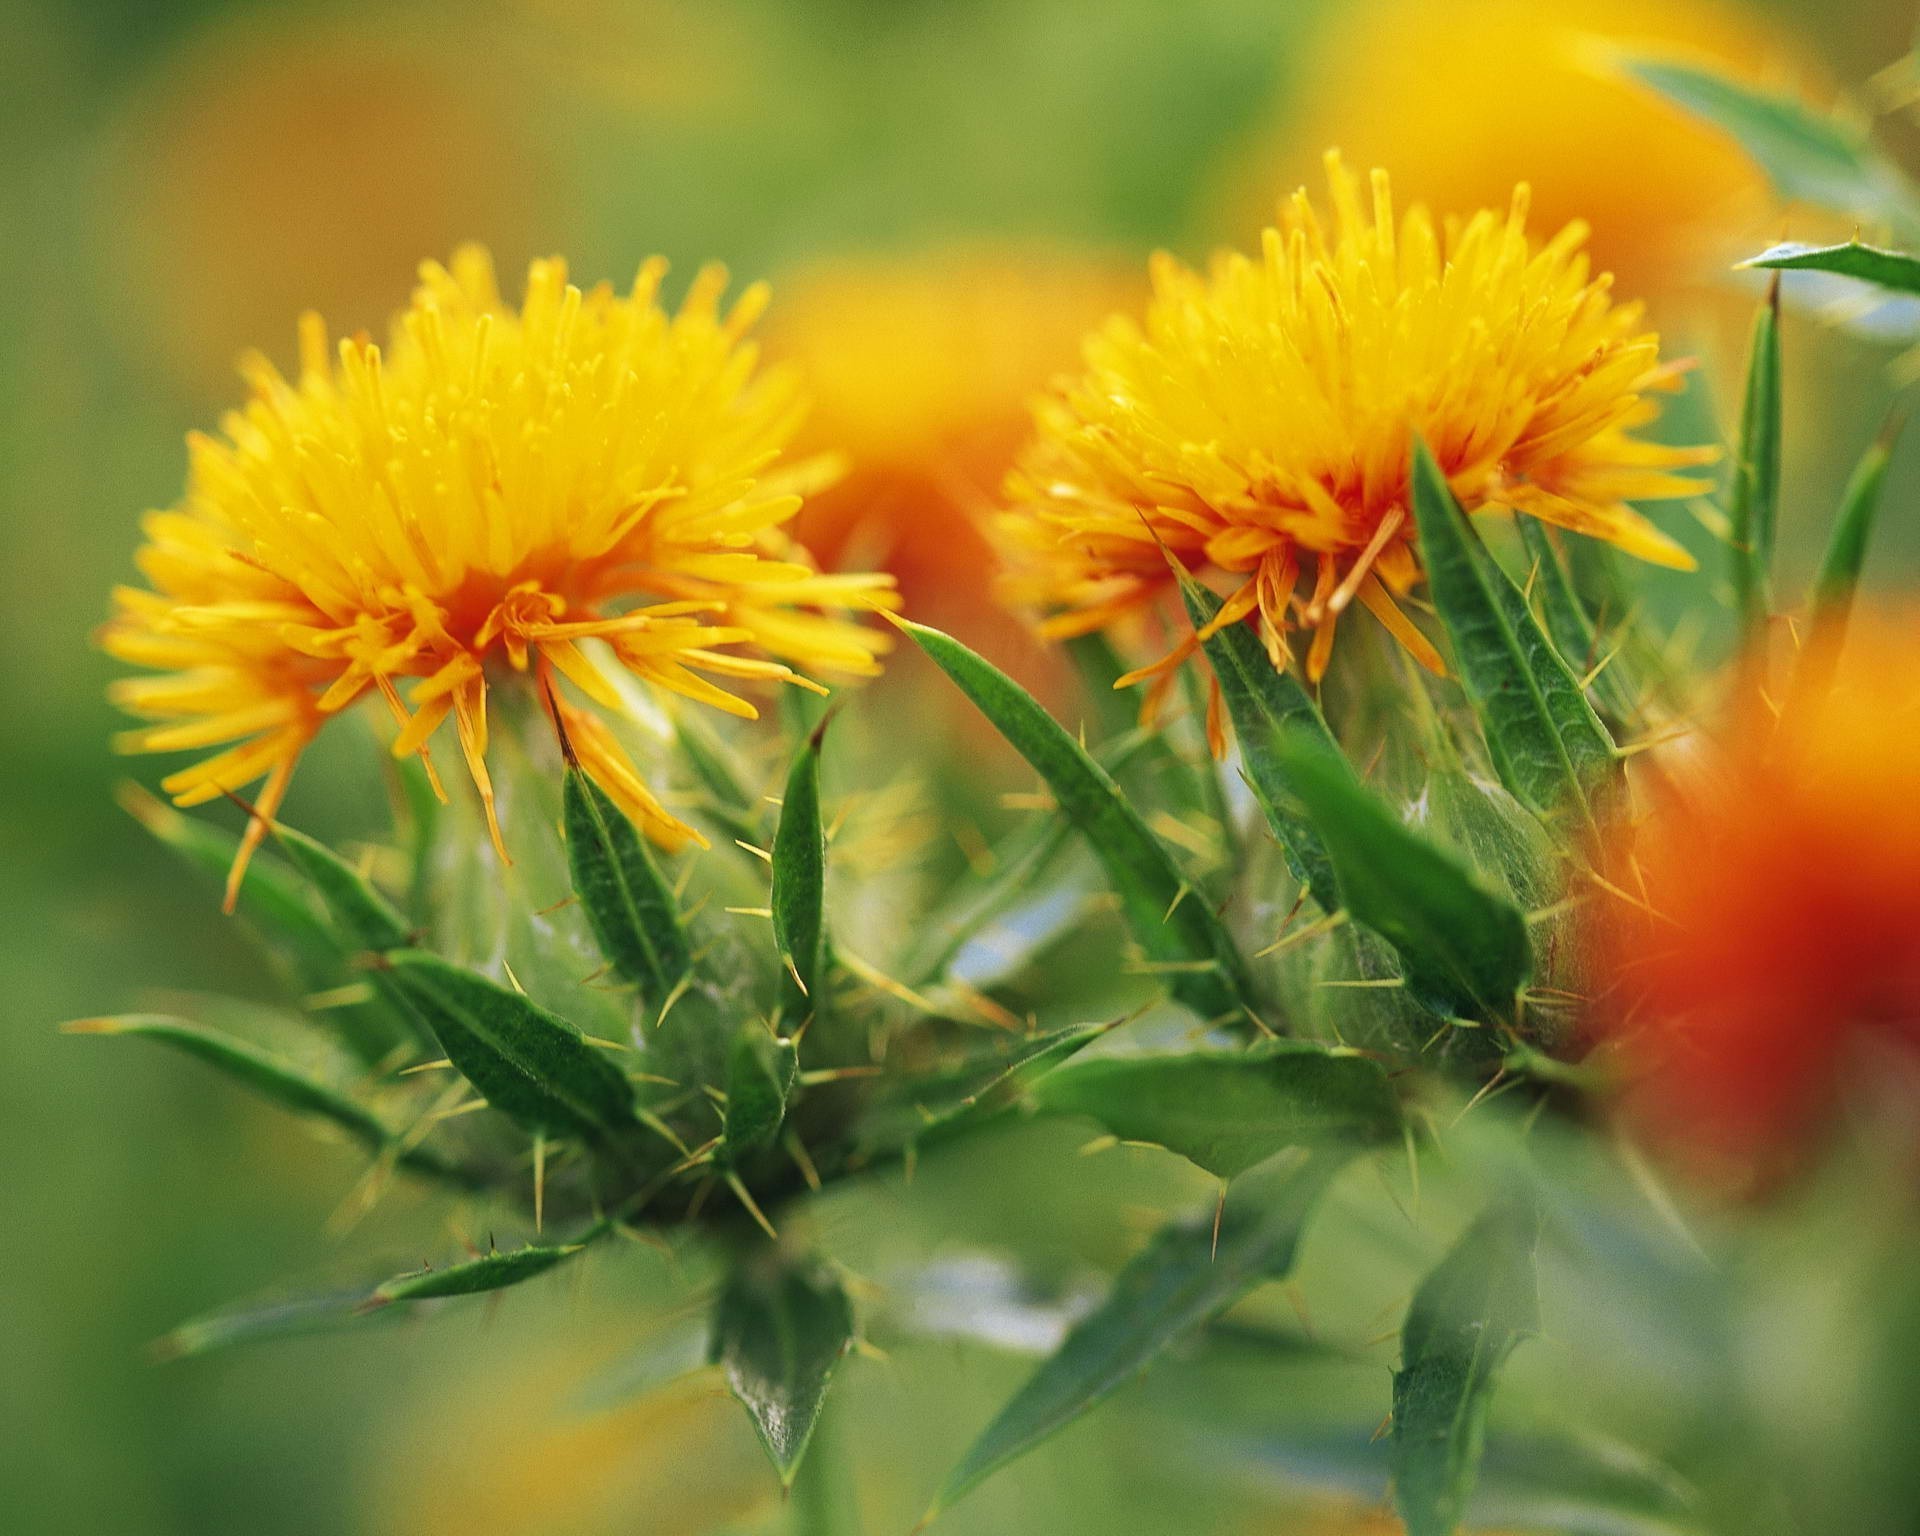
(945, 195)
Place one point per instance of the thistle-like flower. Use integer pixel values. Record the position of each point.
(498, 487)
(1258, 425)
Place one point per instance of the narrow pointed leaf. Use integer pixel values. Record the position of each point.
(1178, 1283)
(628, 902)
(1263, 702)
(489, 1272)
(273, 1078)
(1547, 744)
(1206, 971)
(760, 1077)
(275, 907)
(1463, 949)
(1466, 1318)
(1807, 156)
(1831, 600)
(1754, 495)
(779, 1331)
(1569, 626)
(364, 917)
(257, 1321)
(1228, 1110)
(1893, 270)
(922, 1109)
(799, 884)
(529, 1064)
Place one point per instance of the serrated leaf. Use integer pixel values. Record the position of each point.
(761, 1070)
(1179, 1282)
(800, 885)
(1807, 156)
(1205, 969)
(1570, 627)
(1466, 1318)
(1262, 702)
(628, 903)
(528, 1063)
(1754, 495)
(489, 1272)
(364, 917)
(276, 1079)
(1463, 949)
(1547, 744)
(274, 907)
(1228, 1110)
(1893, 270)
(779, 1329)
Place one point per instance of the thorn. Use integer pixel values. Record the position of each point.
(1219, 1210)
(740, 1192)
(539, 1184)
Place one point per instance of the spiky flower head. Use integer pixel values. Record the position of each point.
(497, 487)
(1258, 425)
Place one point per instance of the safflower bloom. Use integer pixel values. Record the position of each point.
(920, 371)
(497, 487)
(1259, 424)
(1783, 875)
(1672, 201)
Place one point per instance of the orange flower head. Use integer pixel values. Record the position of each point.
(920, 372)
(1258, 425)
(1785, 877)
(499, 488)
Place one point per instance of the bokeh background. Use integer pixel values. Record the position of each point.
(945, 193)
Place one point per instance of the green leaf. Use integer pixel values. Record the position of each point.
(1262, 702)
(1894, 270)
(1179, 1282)
(1228, 1110)
(529, 1064)
(364, 917)
(1183, 935)
(800, 884)
(1463, 950)
(279, 1080)
(628, 903)
(1831, 600)
(274, 906)
(916, 1110)
(779, 1330)
(1573, 1484)
(489, 1272)
(760, 1075)
(251, 1322)
(1754, 496)
(1466, 1318)
(1548, 746)
(1570, 628)
(1807, 156)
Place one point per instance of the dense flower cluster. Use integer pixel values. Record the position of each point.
(496, 487)
(1258, 423)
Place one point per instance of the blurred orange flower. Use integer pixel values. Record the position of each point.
(279, 163)
(1463, 98)
(921, 373)
(1783, 878)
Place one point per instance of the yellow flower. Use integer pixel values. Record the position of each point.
(1672, 201)
(920, 371)
(1259, 424)
(497, 487)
